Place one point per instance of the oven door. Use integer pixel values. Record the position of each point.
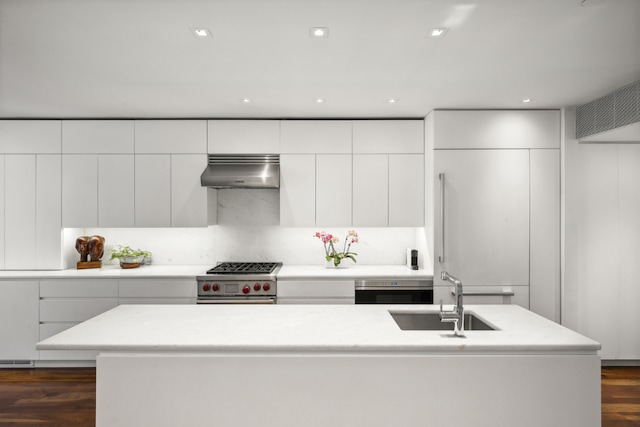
(236, 300)
(394, 295)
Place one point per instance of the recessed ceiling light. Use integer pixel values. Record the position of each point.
(318, 32)
(200, 32)
(319, 100)
(438, 32)
(526, 100)
(245, 100)
(392, 100)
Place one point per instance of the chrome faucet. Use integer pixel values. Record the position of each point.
(457, 314)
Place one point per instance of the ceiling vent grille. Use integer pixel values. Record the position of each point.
(612, 111)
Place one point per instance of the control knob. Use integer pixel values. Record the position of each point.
(215, 287)
(205, 287)
(246, 289)
(266, 286)
(256, 287)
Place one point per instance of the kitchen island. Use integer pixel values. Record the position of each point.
(334, 365)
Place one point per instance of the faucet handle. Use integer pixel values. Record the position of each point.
(440, 305)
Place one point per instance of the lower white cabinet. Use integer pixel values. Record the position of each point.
(316, 292)
(66, 302)
(518, 295)
(18, 321)
(157, 291)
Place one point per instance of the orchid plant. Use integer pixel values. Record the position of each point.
(332, 255)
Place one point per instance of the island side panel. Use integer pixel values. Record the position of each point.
(347, 390)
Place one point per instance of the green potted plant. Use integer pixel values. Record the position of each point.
(128, 257)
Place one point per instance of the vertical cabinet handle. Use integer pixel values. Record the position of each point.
(441, 256)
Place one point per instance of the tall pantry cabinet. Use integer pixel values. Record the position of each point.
(497, 206)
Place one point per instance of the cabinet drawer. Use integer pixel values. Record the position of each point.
(154, 288)
(78, 288)
(74, 309)
(484, 295)
(316, 288)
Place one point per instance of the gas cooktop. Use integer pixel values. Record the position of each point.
(245, 268)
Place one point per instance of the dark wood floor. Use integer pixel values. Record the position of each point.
(67, 397)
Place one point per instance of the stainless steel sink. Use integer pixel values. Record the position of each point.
(415, 321)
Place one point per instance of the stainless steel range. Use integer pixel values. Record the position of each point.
(239, 283)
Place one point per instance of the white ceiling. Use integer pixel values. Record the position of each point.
(137, 58)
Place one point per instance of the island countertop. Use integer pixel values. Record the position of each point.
(311, 329)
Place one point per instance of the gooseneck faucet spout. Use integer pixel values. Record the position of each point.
(457, 314)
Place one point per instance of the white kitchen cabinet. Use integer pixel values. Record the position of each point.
(153, 190)
(20, 211)
(48, 252)
(79, 190)
(298, 190)
(371, 190)
(388, 136)
(97, 136)
(518, 295)
(496, 129)
(486, 216)
(30, 136)
(333, 189)
(406, 190)
(188, 197)
(316, 292)
(18, 320)
(244, 136)
(116, 193)
(171, 136)
(545, 233)
(65, 303)
(315, 136)
(2, 226)
(157, 291)
(32, 216)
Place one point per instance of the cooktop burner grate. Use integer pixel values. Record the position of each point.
(244, 268)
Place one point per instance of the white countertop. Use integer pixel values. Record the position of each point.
(352, 272)
(112, 271)
(311, 329)
(287, 272)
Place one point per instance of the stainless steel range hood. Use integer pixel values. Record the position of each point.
(242, 171)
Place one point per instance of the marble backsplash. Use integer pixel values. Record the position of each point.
(248, 230)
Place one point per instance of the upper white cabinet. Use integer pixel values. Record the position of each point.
(388, 136)
(333, 189)
(116, 190)
(188, 197)
(298, 190)
(97, 136)
(79, 190)
(19, 320)
(48, 254)
(153, 190)
(496, 129)
(315, 136)
(406, 190)
(370, 190)
(20, 211)
(244, 136)
(30, 136)
(170, 136)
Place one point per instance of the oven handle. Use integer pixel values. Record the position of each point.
(237, 301)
